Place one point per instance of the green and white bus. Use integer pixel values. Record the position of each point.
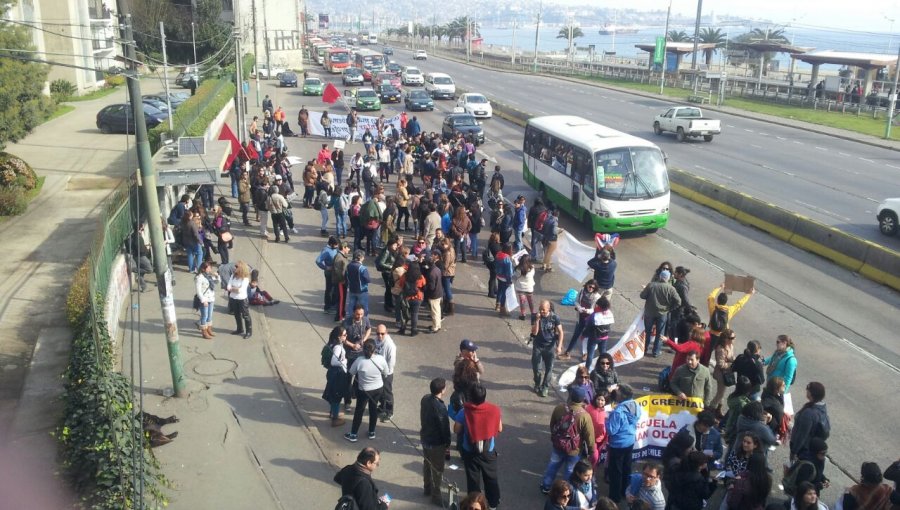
(606, 179)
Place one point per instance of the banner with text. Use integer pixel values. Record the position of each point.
(662, 416)
(628, 349)
(339, 129)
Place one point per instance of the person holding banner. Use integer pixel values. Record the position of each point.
(547, 340)
(692, 379)
(621, 429)
(584, 305)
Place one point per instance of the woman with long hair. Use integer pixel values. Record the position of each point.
(336, 385)
(751, 487)
(773, 403)
(811, 420)
(782, 363)
(739, 456)
(237, 288)
(524, 285)
(596, 408)
(599, 325)
(869, 493)
(460, 225)
(489, 256)
(205, 287)
(584, 305)
(806, 498)
(724, 358)
(410, 284)
(474, 501)
(402, 204)
(736, 402)
(604, 376)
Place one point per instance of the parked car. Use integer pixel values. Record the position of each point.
(420, 55)
(686, 121)
(156, 103)
(313, 87)
(263, 71)
(175, 98)
(887, 214)
(418, 100)
(364, 98)
(476, 104)
(462, 122)
(352, 76)
(119, 118)
(388, 93)
(412, 76)
(183, 80)
(288, 79)
(440, 85)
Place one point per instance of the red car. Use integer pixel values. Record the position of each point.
(391, 78)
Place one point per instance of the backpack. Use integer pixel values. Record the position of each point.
(539, 222)
(663, 379)
(346, 503)
(800, 471)
(409, 288)
(718, 321)
(565, 435)
(326, 356)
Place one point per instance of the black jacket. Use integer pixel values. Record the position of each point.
(434, 288)
(689, 490)
(435, 422)
(751, 367)
(357, 483)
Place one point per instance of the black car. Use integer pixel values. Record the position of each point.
(118, 118)
(175, 98)
(288, 79)
(387, 50)
(389, 94)
(395, 68)
(418, 100)
(464, 123)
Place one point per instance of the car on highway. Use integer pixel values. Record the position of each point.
(313, 87)
(412, 76)
(686, 121)
(364, 99)
(118, 118)
(387, 50)
(887, 214)
(440, 85)
(388, 93)
(394, 67)
(476, 104)
(420, 55)
(385, 77)
(461, 122)
(183, 80)
(175, 98)
(418, 100)
(352, 76)
(287, 79)
(264, 72)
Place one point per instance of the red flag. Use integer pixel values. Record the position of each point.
(331, 94)
(228, 134)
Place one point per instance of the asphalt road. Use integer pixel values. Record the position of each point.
(844, 327)
(835, 181)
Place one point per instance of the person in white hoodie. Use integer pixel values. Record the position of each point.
(524, 283)
(386, 348)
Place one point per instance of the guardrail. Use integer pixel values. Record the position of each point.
(871, 260)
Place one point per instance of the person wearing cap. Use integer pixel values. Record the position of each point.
(575, 406)
(659, 297)
(277, 205)
(519, 221)
(467, 351)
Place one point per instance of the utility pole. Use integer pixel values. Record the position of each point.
(162, 35)
(468, 38)
(662, 75)
(151, 202)
(194, 41)
(694, 81)
(892, 97)
(239, 79)
(537, 30)
(255, 48)
(266, 42)
(512, 59)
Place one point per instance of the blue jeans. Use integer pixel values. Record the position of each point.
(517, 243)
(353, 298)
(649, 322)
(599, 345)
(206, 313)
(545, 356)
(501, 293)
(195, 257)
(473, 241)
(448, 288)
(324, 212)
(537, 248)
(557, 458)
(340, 224)
(576, 335)
(234, 188)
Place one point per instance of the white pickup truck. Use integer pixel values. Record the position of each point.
(686, 121)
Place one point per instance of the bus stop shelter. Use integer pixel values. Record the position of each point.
(680, 49)
(870, 62)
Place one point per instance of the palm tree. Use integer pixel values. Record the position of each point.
(440, 31)
(392, 31)
(711, 36)
(774, 35)
(564, 33)
(678, 36)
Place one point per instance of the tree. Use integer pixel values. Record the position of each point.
(210, 33)
(711, 36)
(564, 33)
(758, 35)
(459, 29)
(678, 36)
(440, 31)
(22, 103)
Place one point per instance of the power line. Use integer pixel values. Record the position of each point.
(57, 33)
(174, 40)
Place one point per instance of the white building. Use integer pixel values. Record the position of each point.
(276, 22)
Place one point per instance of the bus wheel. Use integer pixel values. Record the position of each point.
(652, 230)
(588, 222)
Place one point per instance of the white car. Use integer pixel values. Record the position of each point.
(412, 76)
(420, 55)
(887, 216)
(264, 72)
(476, 104)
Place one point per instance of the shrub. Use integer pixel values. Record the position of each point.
(115, 80)
(78, 298)
(12, 201)
(61, 90)
(211, 97)
(14, 171)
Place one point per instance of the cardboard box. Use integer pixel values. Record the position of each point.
(739, 283)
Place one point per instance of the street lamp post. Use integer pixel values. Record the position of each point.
(662, 74)
(892, 98)
(537, 29)
(696, 45)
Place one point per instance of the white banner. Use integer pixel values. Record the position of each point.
(662, 416)
(572, 256)
(339, 127)
(628, 349)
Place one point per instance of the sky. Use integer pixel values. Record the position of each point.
(869, 16)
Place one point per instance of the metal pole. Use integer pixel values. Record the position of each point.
(512, 59)
(239, 78)
(255, 48)
(194, 43)
(662, 75)
(892, 97)
(468, 38)
(266, 40)
(162, 35)
(537, 30)
(694, 77)
(151, 202)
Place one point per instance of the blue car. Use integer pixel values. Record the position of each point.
(288, 79)
(118, 118)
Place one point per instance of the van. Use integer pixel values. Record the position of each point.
(440, 85)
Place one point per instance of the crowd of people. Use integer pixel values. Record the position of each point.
(415, 232)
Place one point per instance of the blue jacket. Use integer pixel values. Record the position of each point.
(521, 218)
(786, 368)
(604, 273)
(325, 260)
(357, 278)
(712, 440)
(621, 424)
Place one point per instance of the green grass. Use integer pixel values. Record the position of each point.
(96, 94)
(864, 123)
(61, 109)
(29, 196)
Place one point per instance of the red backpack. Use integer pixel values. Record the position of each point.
(539, 222)
(565, 434)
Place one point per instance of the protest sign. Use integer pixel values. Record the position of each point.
(662, 416)
(341, 131)
(628, 349)
(571, 256)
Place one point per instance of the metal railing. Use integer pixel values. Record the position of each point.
(116, 224)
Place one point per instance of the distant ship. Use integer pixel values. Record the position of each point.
(613, 30)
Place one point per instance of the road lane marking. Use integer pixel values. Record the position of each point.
(748, 130)
(867, 160)
(798, 142)
(781, 138)
(844, 154)
(756, 146)
(892, 166)
(822, 149)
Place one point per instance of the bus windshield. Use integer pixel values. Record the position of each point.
(631, 173)
(340, 57)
